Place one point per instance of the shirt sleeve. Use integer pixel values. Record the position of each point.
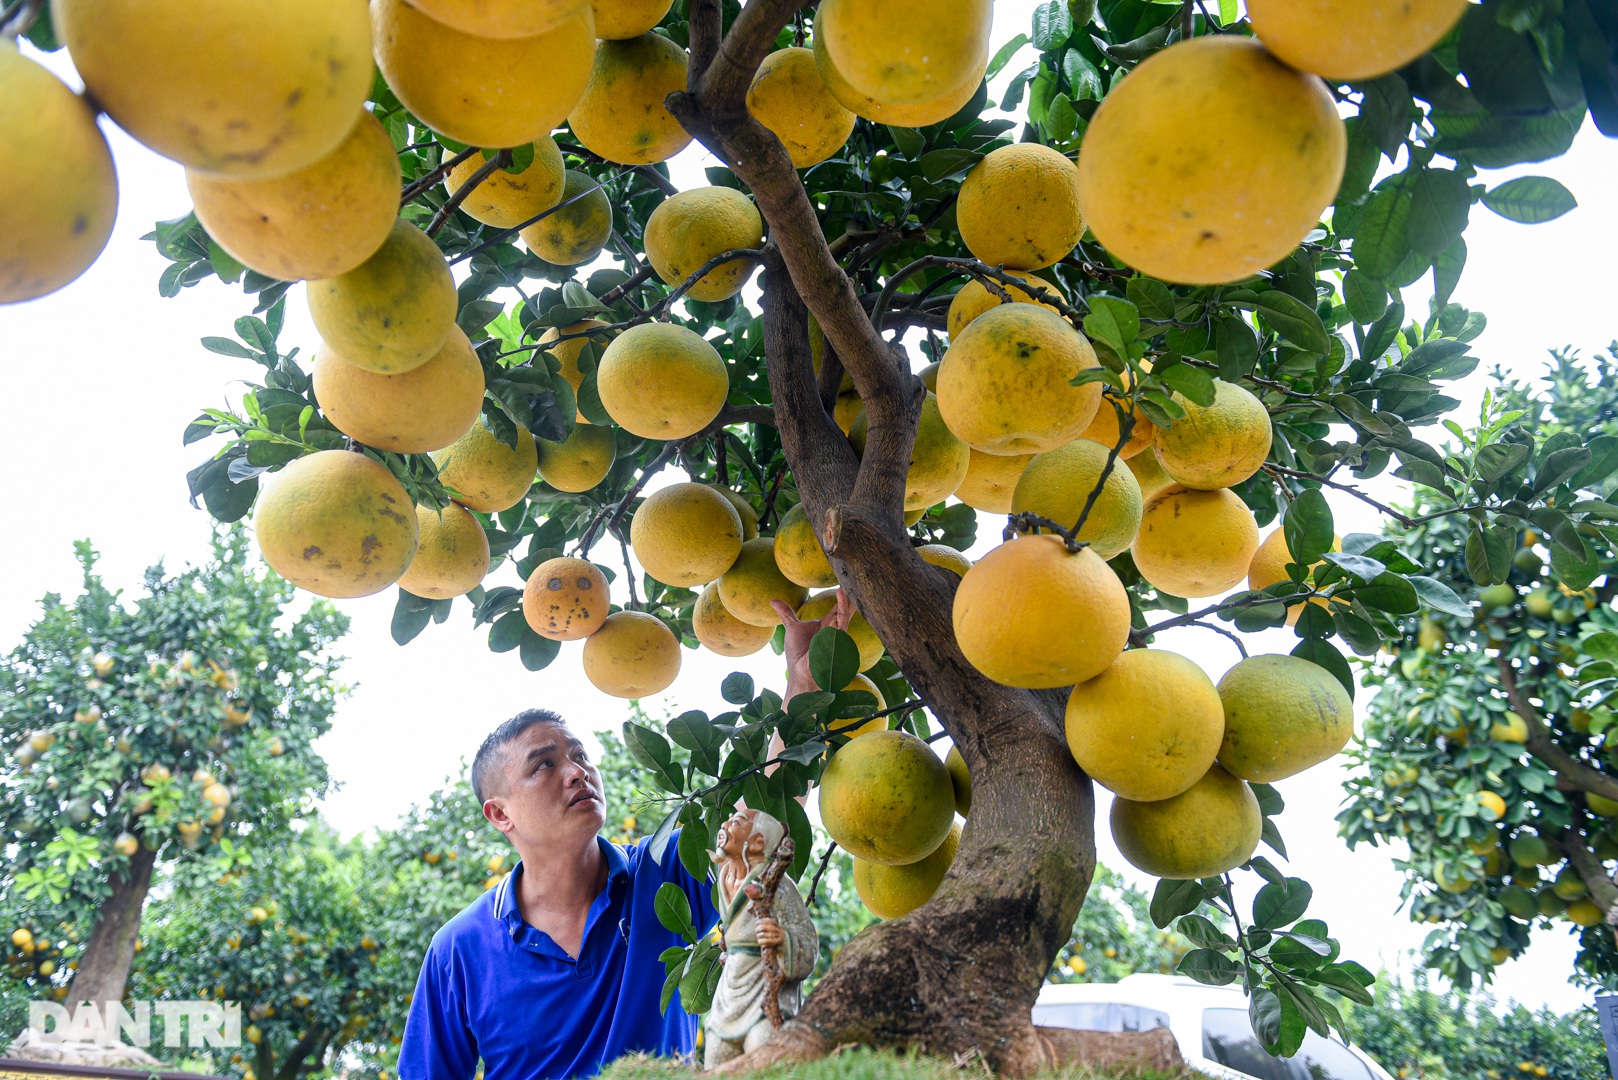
(697, 890)
(437, 1043)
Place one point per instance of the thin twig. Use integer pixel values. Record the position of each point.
(825, 861)
(422, 183)
(486, 170)
(502, 234)
(629, 571)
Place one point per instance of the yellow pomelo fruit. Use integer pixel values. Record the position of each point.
(452, 555)
(59, 193)
(577, 230)
(413, 412)
(633, 655)
(1598, 805)
(392, 312)
(621, 116)
(1057, 484)
(886, 798)
(688, 229)
(1269, 567)
(1218, 445)
(567, 351)
(1512, 728)
(1005, 384)
(243, 90)
(856, 726)
(483, 91)
(506, 199)
(848, 408)
(1148, 727)
(945, 556)
(566, 599)
(661, 381)
(789, 97)
(1150, 476)
(744, 508)
(1195, 543)
(485, 474)
(798, 552)
(686, 535)
(315, 222)
(1211, 162)
(1585, 912)
(1283, 715)
(1358, 44)
(864, 635)
(975, 298)
(891, 891)
(960, 777)
(580, 461)
(501, 18)
(1107, 429)
(1458, 884)
(990, 480)
(754, 580)
(337, 524)
(620, 19)
(1205, 831)
(722, 632)
(929, 374)
(938, 460)
(1030, 613)
(878, 112)
(907, 52)
(1019, 207)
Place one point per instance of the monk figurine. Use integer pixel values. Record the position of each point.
(738, 1021)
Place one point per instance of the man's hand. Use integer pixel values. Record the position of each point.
(799, 633)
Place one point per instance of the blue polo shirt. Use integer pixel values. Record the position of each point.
(494, 987)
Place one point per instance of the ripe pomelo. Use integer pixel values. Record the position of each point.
(620, 19)
(507, 199)
(337, 524)
(855, 726)
(906, 52)
(790, 98)
(864, 635)
(621, 116)
(1148, 727)
(722, 632)
(951, 559)
(452, 555)
(1353, 45)
(580, 461)
(938, 460)
(1585, 912)
(1032, 614)
(1283, 715)
(686, 535)
(633, 655)
(688, 229)
(1019, 207)
(1107, 428)
(891, 891)
(754, 580)
(1218, 445)
(59, 193)
(661, 381)
(483, 91)
(565, 599)
(990, 480)
(1205, 831)
(1004, 386)
(577, 228)
(502, 18)
(926, 113)
(392, 312)
(1269, 567)
(485, 474)
(1058, 483)
(743, 507)
(1211, 162)
(243, 90)
(974, 299)
(1150, 476)
(319, 221)
(411, 412)
(798, 552)
(1195, 543)
(960, 778)
(567, 351)
(886, 798)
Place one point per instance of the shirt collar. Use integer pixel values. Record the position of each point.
(505, 894)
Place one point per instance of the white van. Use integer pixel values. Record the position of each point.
(1209, 1023)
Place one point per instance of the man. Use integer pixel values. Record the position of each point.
(555, 971)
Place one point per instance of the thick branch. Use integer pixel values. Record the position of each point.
(1603, 890)
(1543, 746)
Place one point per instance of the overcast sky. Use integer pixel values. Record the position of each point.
(98, 381)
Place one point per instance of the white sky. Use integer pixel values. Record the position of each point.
(98, 381)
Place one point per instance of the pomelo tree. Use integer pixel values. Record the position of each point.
(161, 732)
(1193, 330)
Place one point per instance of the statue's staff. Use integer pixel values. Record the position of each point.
(770, 955)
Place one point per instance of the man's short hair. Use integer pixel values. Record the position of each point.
(487, 762)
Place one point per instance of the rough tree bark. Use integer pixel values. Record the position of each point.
(959, 976)
(104, 967)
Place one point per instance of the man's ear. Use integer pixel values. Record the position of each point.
(494, 809)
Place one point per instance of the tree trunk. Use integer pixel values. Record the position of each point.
(104, 967)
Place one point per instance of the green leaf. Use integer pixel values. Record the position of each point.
(507, 632)
(1488, 556)
(1365, 297)
(1441, 201)
(1083, 78)
(673, 909)
(1440, 597)
(1294, 320)
(1380, 337)
(1209, 967)
(652, 750)
(737, 688)
(536, 652)
(1173, 898)
(1201, 932)
(1339, 978)
(1387, 592)
(1236, 346)
(1196, 384)
(1574, 571)
(1151, 297)
(1053, 25)
(909, 141)
(1530, 200)
(1264, 1013)
(834, 659)
(1603, 461)
(1279, 904)
(411, 615)
(1113, 322)
(1309, 527)
(1561, 466)
(939, 165)
(659, 844)
(1323, 653)
(693, 848)
(1381, 235)
(1003, 57)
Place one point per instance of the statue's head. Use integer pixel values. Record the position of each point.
(750, 835)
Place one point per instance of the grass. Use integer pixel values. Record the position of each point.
(865, 1064)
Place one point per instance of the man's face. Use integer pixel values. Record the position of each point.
(550, 789)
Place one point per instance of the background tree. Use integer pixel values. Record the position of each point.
(139, 735)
